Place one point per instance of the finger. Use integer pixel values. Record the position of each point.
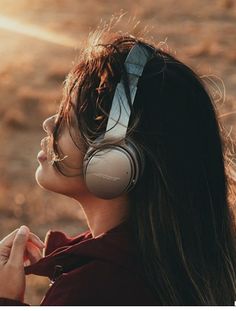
(27, 263)
(36, 240)
(8, 240)
(33, 253)
(18, 247)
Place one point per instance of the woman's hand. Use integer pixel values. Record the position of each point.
(19, 248)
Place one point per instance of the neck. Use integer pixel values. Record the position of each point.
(103, 215)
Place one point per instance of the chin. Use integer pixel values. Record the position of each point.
(42, 179)
(49, 179)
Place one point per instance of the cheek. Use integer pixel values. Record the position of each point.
(73, 156)
(73, 163)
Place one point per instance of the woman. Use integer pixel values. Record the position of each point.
(167, 238)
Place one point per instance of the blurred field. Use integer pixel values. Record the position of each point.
(200, 33)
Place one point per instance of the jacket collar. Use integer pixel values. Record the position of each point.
(114, 246)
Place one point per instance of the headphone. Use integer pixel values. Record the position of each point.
(114, 169)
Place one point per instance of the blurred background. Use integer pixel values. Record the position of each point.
(40, 40)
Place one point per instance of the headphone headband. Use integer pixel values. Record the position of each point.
(115, 169)
(120, 111)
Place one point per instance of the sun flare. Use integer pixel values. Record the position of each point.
(36, 32)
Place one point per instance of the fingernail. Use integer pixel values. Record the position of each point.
(23, 230)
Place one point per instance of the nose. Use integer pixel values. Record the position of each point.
(49, 123)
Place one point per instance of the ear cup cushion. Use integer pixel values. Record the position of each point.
(112, 170)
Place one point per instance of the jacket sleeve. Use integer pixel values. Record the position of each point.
(11, 302)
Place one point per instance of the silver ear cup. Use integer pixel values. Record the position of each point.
(111, 171)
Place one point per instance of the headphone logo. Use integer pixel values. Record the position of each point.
(106, 177)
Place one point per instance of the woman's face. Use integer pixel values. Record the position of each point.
(47, 175)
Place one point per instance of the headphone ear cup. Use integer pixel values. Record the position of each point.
(112, 170)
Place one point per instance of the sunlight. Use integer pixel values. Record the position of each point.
(35, 32)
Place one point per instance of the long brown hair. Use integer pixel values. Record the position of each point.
(180, 213)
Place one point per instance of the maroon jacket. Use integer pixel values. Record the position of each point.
(87, 271)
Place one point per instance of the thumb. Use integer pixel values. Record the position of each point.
(19, 245)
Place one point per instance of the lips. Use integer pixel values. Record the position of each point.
(42, 155)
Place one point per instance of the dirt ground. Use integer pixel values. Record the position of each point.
(201, 33)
